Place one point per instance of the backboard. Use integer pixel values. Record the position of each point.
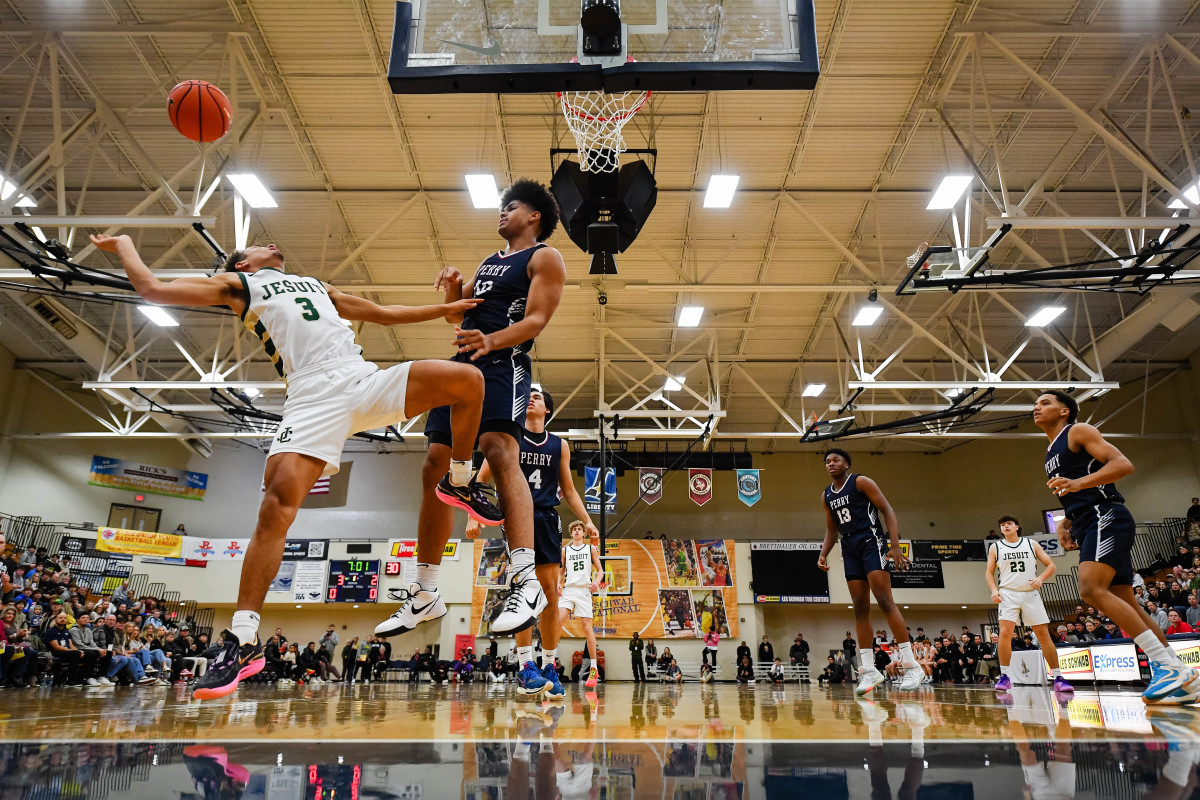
(525, 46)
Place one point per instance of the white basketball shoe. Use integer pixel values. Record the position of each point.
(419, 606)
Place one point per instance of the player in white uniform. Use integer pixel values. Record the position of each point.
(580, 561)
(1017, 559)
(332, 393)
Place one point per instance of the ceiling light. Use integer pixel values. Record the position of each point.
(252, 392)
(953, 391)
(948, 191)
(1192, 193)
(689, 316)
(7, 187)
(1044, 316)
(483, 191)
(964, 606)
(867, 315)
(159, 316)
(537, 387)
(252, 190)
(674, 384)
(813, 390)
(720, 191)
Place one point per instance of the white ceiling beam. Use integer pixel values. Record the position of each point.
(69, 221)
(981, 384)
(1130, 29)
(265, 386)
(1088, 223)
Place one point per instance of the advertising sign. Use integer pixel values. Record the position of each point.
(138, 543)
(116, 473)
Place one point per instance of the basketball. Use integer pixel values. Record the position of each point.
(199, 110)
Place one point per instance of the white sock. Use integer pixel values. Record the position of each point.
(1178, 767)
(1155, 650)
(548, 656)
(906, 655)
(866, 660)
(245, 626)
(521, 752)
(461, 472)
(1003, 669)
(524, 655)
(520, 559)
(427, 576)
(1056, 673)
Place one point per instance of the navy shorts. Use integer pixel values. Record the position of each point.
(1105, 533)
(547, 536)
(507, 379)
(862, 554)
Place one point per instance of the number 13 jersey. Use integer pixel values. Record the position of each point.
(853, 511)
(295, 320)
(540, 457)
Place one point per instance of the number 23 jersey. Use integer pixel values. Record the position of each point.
(541, 454)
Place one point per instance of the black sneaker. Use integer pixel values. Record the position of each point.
(474, 498)
(234, 662)
(213, 774)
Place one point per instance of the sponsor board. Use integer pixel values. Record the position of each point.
(138, 543)
(1115, 662)
(407, 548)
(791, 598)
(785, 545)
(116, 473)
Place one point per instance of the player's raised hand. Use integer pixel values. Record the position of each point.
(108, 243)
(823, 564)
(448, 277)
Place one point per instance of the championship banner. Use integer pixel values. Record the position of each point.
(115, 473)
(138, 543)
(658, 588)
(749, 489)
(650, 484)
(202, 549)
(700, 485)
(591, 492)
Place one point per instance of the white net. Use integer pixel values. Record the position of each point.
(912, 260)
(596, 120)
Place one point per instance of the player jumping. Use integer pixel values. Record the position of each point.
(1083, 470)
(1018, 596)
(852, 506)
(332, 393)
(520, 288)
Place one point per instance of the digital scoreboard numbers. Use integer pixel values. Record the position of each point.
(353, 581)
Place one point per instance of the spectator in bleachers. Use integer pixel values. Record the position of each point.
(706, 673)
(776, 673)
(1157, 614)
(665, 659)
(672, 673)
(310, 665)
(882, 659)
(745, 671)
(66, 655)
(1176, 624)
(798, 653)
(766, 653)
(81, 637)
(1110, 631)
(833, 673)
(121, 594)
(154, 661)
(1193, 512)
(29, 557)
(987, 657)
(1193, 611)
(1062, 635)
(349, 655)
(651, 657)
(291, 663)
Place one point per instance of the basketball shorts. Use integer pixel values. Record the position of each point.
(547, 536)
(1054, 780)
(1014, 605)
(575, 783)
(1105, 533)
(862, 554)
(331, 401)
(507, 379)
(577, 600)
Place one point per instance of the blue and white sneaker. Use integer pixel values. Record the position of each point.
(530, 681)
(555, 692)
(1172, 685)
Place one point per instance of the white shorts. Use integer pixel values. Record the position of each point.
(575, 783)
(331, 401)
(577, 600)
(1054, 780)
(1014, 605)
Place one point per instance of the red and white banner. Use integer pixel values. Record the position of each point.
(320, 487)
(700, 485)
(650, 484)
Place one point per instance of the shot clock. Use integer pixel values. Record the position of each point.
(353, 581)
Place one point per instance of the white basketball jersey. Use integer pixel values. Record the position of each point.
(578, 561)
(295, 320)
(1017, 564)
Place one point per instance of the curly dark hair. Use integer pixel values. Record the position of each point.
(837, 451)
(1066, 400)
(538, 198)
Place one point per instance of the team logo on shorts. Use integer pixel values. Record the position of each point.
(285, 435)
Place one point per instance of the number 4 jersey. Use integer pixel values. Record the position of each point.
(295, 320)
(541, 454)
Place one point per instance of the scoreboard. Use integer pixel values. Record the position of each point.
(353, 581)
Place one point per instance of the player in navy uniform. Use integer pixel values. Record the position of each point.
(520, 288)
(852, 507)
(546, 465)
(1082, 469)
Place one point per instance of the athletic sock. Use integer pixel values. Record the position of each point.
(866, 660)
(548, 656)
(1003, 669)
(461, 472)
(906, 655)
(1155, 650)
(524, 656)
(427, 576)
(521, 752)
(245, 626)
(520, 560)
(1056, 673)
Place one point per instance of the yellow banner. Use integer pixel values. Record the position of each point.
(138, 543)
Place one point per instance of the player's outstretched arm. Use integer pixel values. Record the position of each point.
(830, 537)
(220, 290)
(545, 291)
(1116, 466)
(351, 307)
(571, 494)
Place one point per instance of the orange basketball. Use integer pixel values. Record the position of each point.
(199, 110)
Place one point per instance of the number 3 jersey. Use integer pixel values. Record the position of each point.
(540, 457)
(295, 320)
(852, 510)
(502, 282)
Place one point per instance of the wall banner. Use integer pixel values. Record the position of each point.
(591, 491)
(650, 484)
(700, 485)
(201, 549)
(282, 582)
(748, 486)
(116, 473)
(138, 543)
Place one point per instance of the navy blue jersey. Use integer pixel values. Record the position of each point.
(853, 511)
(541, 454)
(1061, 462)
(502, 282)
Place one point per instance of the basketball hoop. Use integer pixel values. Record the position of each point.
(915, 258)
(596, 120)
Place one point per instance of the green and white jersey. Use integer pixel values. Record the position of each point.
(295, 320)
(578, 561)
(1017, 564)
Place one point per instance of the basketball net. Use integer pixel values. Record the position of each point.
(912, 260)
(596, 120)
